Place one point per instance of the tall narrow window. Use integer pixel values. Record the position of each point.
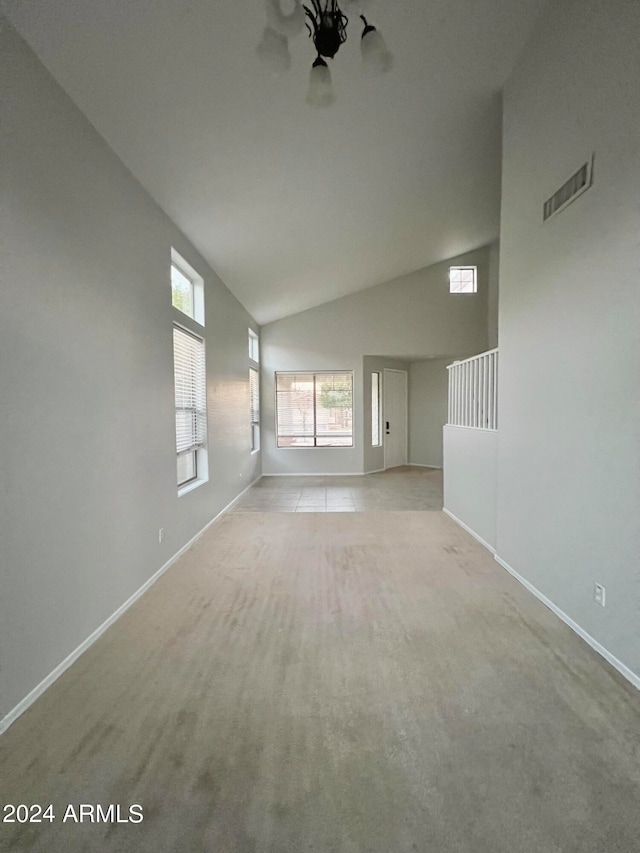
(254, 393)
(254, 346)
(190, 405)
(314, 409)
(254, 390)
(375, 409)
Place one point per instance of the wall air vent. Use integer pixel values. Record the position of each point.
(569, 191)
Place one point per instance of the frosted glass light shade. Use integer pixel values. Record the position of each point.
(376, 57)
(320, 93)
(273, 51)
(287, 25)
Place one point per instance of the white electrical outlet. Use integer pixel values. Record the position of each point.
(161, 534)
(599, 593)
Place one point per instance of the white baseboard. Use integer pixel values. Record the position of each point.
(624, 670)
(319, 474)
(46, 682)
(469, 530)
(420, 465)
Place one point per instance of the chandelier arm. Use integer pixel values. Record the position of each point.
(368, 28)
(311, 16)
(317, 8)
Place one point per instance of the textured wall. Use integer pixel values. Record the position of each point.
(87, 462)
(569, 418)
(470, 479)
(428, 403)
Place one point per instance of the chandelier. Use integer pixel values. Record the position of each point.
(327, 25)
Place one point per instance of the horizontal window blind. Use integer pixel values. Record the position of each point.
(190, 388)
(254, 393)
(254, 403)
(314, 409)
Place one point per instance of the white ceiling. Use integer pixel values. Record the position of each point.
(291, 205)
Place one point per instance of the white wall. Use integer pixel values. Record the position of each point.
(568, 460)
(411, 317)
(87, 461)
(493, 297)
(428, 405)
(470, 479)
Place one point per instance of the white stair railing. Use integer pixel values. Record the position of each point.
(473, 391)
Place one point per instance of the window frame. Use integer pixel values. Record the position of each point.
(199, 451)
(254, 424)
(254, 347)
(314, 446)
(197, 284)
(376, 383)
(464, 268)
(254, 364)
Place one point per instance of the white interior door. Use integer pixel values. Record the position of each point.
(394, 418)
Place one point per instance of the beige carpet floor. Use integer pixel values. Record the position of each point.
(346, 683)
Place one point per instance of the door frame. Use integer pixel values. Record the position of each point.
(385, 371)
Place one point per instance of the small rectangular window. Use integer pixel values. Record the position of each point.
(463, 279)
(254, 394)
(254, 347)
(181, 291)
(314, 409)
(187, 289)
(375, 409)
(190, 406)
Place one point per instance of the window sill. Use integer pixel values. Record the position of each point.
(189, 487)
(320, 447)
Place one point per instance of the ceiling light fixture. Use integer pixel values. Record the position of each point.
(327, 26)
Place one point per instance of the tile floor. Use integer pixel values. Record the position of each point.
(405, 488)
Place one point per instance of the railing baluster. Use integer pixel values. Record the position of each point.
(485, 376)
(467, 383)
(476, 384)
(495, 394)
(493, 390)
(472, 399)
(489, 389)
(472, 365)
(452, 383)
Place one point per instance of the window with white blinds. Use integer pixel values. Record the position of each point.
(190, 401)
(254, 403)
(314, 409)
(375, 409)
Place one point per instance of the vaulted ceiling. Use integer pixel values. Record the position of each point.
(294, 205)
